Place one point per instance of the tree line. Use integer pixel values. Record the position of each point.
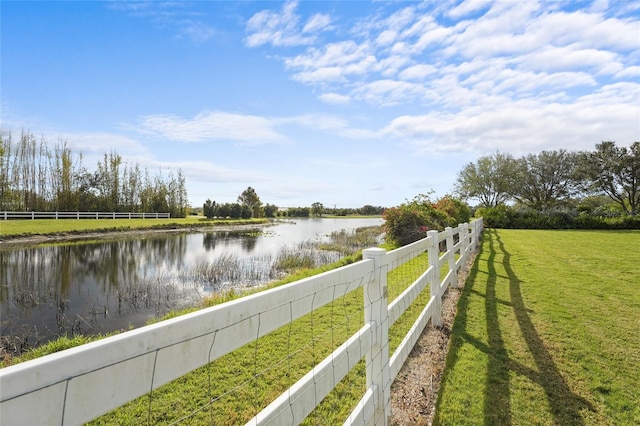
(604, 182)
(249, 205)
(597, 189)
(35, 177)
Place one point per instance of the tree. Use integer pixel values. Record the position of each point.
(109, 181)
(34, 177)
(270, 210)
(250, 198)
(616, 172)
(546, 180)
(63, 177)
(209, 209)
(489, 180)
(317, 208)
(369, 210)
(235, 210)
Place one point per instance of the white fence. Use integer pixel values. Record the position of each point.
(79, 384)
(81, 215)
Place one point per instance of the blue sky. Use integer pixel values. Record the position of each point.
(343, 102)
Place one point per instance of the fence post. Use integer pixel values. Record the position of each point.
(451, 257)
(474, 234)
(376, 313)
(464, 237)
(434, 260)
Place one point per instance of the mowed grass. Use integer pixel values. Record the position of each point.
(234, 388)
(547, 332)
(15, 228)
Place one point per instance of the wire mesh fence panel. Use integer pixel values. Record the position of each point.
(237, 386)
(305, 352)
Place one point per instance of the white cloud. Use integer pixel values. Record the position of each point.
(168, 14)
(318, 22)
(386, 37)
(519, 82)
(196, 31)
(334, 98)
(388, 92)
(329, 124)
(389, 66)
(210, 126)
(633, 71)
(401, 18)
(509, 50)
(333, 63)
(321, 75)
(588, 29)
(467, 7)
(552, 58)
(417, 72)
(526, 126)
(279, 28)
(342, 53)
(96, 142)
(599, 6)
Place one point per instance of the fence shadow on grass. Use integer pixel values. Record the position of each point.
(564, 404)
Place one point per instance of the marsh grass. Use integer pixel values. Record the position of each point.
(547, 332)
(160, 295)
(237, 386)
(234, 388)
(347, 241)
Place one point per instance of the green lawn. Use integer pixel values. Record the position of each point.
(547, 332)
(234, 388)
(15, 228)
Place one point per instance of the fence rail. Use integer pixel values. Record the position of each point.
(6, 215)
(79, 384)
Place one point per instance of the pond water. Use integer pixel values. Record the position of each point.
(98, 287)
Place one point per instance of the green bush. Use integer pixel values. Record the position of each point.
(496, 217)
(458, 211)
(507, 217)
(410, 221)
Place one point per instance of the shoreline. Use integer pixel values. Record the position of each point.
(107, 234)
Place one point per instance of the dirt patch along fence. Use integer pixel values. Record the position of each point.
(82, 383)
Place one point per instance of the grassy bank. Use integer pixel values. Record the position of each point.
(10, 229)
(235, 387)
(547, 332)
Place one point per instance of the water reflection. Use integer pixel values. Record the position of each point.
(99, 287)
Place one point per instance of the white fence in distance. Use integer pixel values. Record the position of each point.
(6, 215)
(79, 384)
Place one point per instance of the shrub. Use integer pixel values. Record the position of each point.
(410, 221)
(496, 217)
(513, 218)
(454, 208)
